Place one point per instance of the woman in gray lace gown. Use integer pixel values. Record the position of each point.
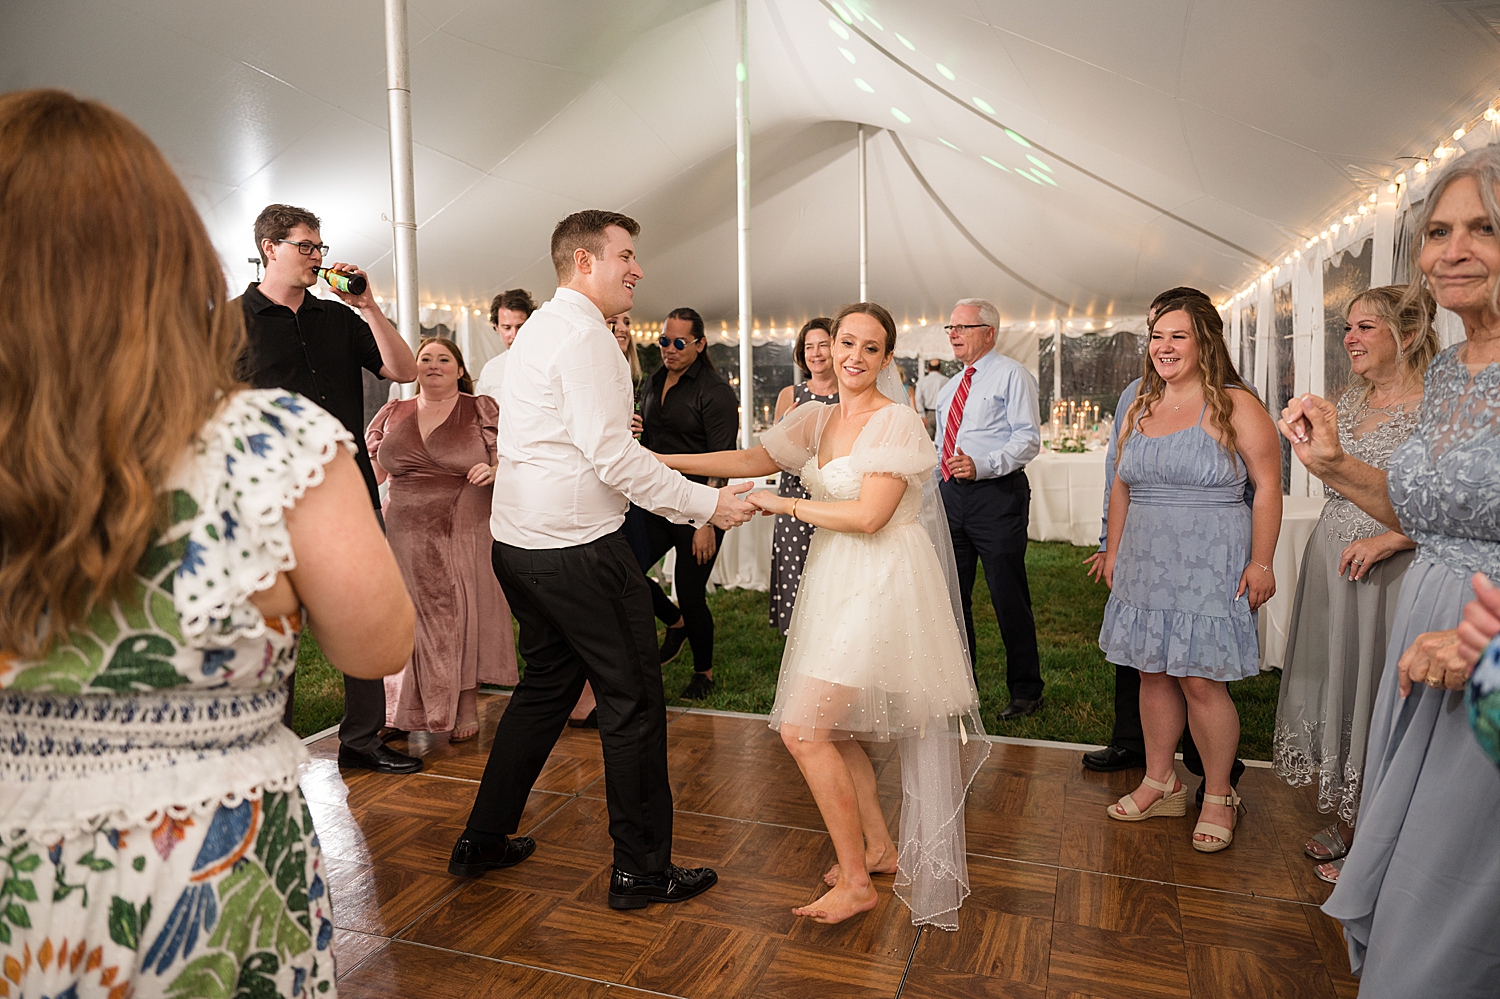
(1419, 895)
(1335, 649)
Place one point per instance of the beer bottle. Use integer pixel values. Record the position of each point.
(353, 284)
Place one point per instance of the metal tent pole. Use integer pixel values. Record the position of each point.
(403, 184)
(742, 171)
(864, 223)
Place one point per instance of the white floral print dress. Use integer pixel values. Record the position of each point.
(153, 841)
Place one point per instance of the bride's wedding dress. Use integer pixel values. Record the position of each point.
(874, 650)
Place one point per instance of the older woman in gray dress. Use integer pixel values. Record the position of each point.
(1419, 895)
(1336, 646)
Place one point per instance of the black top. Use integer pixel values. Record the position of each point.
(318, 352)
(700, 414)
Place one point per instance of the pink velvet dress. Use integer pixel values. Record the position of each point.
(438, 525)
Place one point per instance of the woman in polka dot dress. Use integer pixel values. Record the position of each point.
(789, 547)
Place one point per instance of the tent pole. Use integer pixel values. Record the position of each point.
(403, 184)
(742, 171)
(864, 223)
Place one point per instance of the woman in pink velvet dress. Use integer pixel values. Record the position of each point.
(438, 449)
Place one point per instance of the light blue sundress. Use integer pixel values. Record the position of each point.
(1185, 545)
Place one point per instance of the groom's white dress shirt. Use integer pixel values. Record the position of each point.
(568, 465)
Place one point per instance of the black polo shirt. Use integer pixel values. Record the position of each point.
(701, 413)
(317, 352)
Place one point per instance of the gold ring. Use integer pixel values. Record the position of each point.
(1433, 681)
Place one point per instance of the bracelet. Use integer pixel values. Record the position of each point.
(1259, 566)
(794, 508)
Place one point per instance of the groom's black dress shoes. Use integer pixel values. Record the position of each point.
(471, 857)
(1112, 759)
(1019, 707)
(675, 884)
(381, 759)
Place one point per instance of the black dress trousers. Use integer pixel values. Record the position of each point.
(585, 614)
(988, 518)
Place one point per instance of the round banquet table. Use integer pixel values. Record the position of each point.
(1067, 497)
(1299, 515)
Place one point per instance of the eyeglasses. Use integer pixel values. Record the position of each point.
(306, 249)
(678, 342)
(965, 326)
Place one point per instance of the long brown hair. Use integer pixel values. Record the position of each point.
(116, 346)
(1408, 315)
(465, 380)
(1215, 370)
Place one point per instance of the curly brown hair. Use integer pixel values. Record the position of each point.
(516, 300)
(275, 221)
(116, 347)
(1216, 371)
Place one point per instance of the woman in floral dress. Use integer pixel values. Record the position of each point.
(164, 536)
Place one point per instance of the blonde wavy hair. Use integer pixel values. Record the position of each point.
(1408, 312)
(116, 346)
(1215, 370)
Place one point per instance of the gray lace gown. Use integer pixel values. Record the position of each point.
(1419, 895)
(790, 539)
(1336, 647)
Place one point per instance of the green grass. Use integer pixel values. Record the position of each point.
(1068, 606)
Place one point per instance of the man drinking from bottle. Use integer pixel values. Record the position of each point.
(315, 347)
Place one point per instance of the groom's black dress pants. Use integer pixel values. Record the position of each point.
(585, 614)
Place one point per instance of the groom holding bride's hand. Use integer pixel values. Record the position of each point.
(568, 467)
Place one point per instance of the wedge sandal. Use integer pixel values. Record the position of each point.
(1222, 835)
(1170, 803)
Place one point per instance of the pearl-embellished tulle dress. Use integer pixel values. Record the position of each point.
(874, 650)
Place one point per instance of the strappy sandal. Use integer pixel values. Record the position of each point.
(1222, 835)
(1330, 872)
(1326, 846)
(1170, 803)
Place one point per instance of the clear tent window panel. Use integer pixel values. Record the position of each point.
(1283, 372)
(1098, 366)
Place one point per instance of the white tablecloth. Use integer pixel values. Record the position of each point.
(1067, 497)
(1299, 515)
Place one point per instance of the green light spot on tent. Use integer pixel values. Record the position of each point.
(992, 163)
(869, 17)
(1044, 177)
(861, 84)
(1018, 137)
(842, 12)
(847, 54)
(946, 71)
(901, 116)
(949, 144)
(839, 29)
(739, 71)
(903, 41)
(1028, 176)
(1038, 163)
(983, 105)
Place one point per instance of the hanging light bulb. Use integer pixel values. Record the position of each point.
(1421, 166)
(1400, 178)
(1458, 133)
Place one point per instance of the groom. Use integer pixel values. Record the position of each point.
(567, 469)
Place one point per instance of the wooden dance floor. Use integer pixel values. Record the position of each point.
(1066, 904)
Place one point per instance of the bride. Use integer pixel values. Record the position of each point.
(874, 652)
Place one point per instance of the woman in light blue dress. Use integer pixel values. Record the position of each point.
(1187, 562)
(1419, 895)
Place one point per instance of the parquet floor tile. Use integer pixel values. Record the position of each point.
(1065, 903)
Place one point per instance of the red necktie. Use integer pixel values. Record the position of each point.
(955, 417)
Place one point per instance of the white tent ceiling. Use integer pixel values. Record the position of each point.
(1250, 120)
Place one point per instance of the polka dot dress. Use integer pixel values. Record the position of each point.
(791, 537)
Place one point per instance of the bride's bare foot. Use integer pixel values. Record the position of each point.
(878, 860)
(839, 903)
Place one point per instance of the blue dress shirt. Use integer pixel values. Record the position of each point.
(1001, 428)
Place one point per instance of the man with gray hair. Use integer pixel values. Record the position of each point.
(989, 428)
